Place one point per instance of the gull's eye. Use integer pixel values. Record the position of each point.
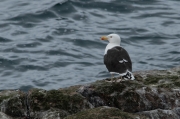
(110, 36)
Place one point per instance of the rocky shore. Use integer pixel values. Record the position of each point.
(153, 95)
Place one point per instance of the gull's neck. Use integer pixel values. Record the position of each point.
(109, 46)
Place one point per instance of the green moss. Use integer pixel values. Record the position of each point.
(177, 83)
(138, 77)
(168, 73)
(56, 99)
(148, 89)
(133, 84)
(166, 85)
(131, 97)
(127, 101)
(13, 100)
(70, 90)
(14, 107)
(4, 98)
(167, 81)
(102, 113)
(155, 79)
(62, 101)
(9, 94)
(54, 113)
(108, 88)
(37, 98)
(173, 78)
(103, 87)
(178, 72)
(152, 79)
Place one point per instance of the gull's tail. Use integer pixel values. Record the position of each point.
(129, 75)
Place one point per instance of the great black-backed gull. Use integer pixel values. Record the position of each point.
(116, 58)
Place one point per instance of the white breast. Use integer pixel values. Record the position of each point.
(109, 46)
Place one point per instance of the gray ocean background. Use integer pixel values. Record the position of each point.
(52, 44)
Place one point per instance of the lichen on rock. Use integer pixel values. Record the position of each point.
(154, 94)
(105, 112)
(12, 102)
(151, 90)
(41, 100)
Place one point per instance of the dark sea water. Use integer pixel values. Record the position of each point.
(52, 44)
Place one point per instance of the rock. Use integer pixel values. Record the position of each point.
(151, 90)
(12, 102)
(4, 116)
(154, 94)
(53, 114)
(68, 101)
(105, 112)
(162, 114)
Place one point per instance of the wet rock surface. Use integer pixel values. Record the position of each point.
(13, 103)
(162, 113)
(154, 94)
(105, 112)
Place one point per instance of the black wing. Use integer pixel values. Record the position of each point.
(117, 60)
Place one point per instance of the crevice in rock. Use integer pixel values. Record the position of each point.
(27, 106)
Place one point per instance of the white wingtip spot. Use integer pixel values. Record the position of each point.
(122, 61)
(125, 60)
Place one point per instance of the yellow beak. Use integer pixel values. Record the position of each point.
(104, 38)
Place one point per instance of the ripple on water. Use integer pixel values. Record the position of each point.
(2, 40)
(55, 43)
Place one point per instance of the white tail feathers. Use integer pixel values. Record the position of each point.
(128, 75)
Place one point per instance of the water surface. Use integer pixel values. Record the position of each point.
(52, 44)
